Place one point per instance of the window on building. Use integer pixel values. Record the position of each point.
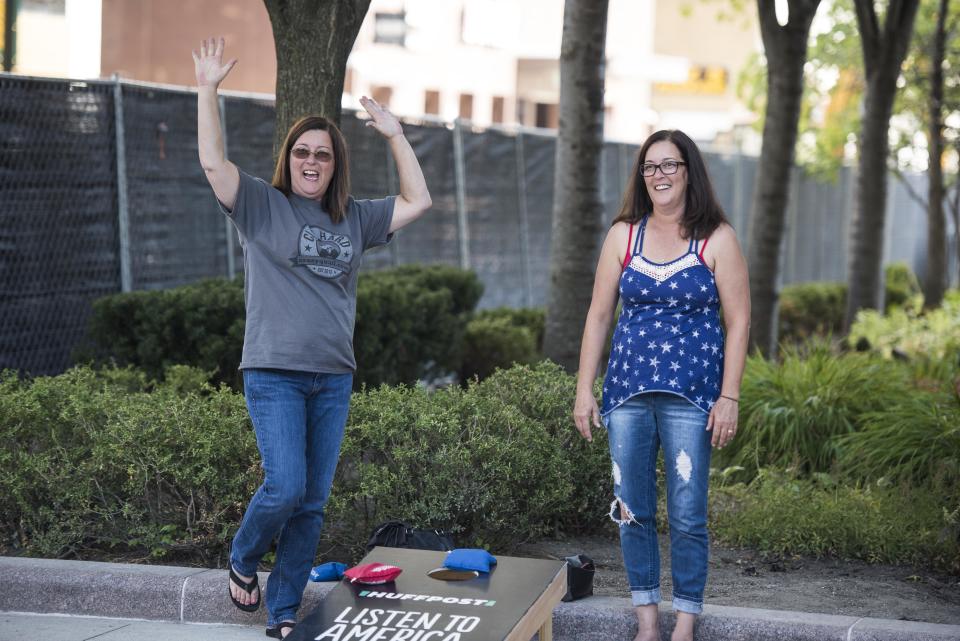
(390, 28)
(431, 102)
(382, 95)
(466, 106)
(497, 111)
(548, 115)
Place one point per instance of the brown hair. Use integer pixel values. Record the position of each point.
(702, 214)
(335, 198)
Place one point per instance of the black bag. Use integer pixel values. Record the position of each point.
(580, 572)
(397, 534)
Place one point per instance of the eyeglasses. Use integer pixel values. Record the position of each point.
(667, 167)
(302, 153)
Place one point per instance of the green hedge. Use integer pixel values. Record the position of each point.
(818, 308)
(410, 322)
(811, 309)
(929, 339)
(200, 324)
(498, 338)
(105, 463)
(108, 464)
(498, 463)
(95, 463)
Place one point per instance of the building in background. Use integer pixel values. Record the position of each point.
(706, 52)
(58, 38)
(492, 62)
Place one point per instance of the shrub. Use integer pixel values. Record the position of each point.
(818, 308)
(94, 462)
(902, 288)
(533, 319)
(200, 324)
(932, 336)
(492, 462)
(545, 393)
(793, 412)
(811, 309)
(98, 463)
(493, 342)
(410, 323)
(783, 514)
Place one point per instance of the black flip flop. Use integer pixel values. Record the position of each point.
(248, 587)
(276, 631)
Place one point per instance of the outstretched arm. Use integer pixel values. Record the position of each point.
(221, 173)
(414, 198)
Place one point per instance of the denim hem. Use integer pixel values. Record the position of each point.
(645, 597)
(239, 570)
(685, 605)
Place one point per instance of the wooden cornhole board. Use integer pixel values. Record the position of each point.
(512, 603)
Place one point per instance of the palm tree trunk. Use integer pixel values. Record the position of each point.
(313, 39)
(578, 206)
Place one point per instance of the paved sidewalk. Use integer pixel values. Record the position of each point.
(53, 600)
(66, 627)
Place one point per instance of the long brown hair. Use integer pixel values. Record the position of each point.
(702, 214)
(335, 197)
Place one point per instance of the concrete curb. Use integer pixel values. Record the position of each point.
(193, 595)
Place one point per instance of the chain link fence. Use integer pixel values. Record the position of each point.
(101, 191)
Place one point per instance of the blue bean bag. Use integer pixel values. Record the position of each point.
(469, 559)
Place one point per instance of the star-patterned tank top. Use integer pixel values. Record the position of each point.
(668, 337)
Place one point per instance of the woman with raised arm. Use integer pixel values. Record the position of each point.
(303, 237)
(673, 378)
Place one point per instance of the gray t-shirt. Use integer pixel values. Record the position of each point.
(301, 276)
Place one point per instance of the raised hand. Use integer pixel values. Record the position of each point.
(209, 65)
(381, 118)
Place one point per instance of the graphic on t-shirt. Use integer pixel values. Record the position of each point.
(324, 253)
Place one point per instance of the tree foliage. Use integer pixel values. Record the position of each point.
(830, 120)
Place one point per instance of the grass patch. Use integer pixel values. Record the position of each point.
(784, 514)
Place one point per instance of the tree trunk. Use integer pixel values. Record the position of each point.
(577, 204)
(935, 280)
(883, 54)
(313, 39)
(955, 214)
(786, 51)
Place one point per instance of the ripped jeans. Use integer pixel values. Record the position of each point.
(636, 431)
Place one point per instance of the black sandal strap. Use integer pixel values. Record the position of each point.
(246, 586)
(276, 631)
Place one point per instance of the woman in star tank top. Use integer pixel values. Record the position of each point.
(673, 377)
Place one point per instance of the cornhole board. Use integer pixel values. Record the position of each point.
(512, 603)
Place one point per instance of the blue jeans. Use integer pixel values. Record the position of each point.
(636, 431)
(299, 419)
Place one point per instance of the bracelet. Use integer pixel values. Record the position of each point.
(730, 398)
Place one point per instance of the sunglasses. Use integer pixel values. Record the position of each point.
(302, 153)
